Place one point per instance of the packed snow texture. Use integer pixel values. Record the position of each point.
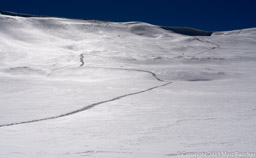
(74, 88)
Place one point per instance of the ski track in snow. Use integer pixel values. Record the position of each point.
(212, 48)
(113, 99)
(86, 107)
(113, 68)
(98, 103)
(131, 69)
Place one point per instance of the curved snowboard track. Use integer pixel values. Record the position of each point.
(131, 69)
(85, 108)
(113, 68)
(212, 48)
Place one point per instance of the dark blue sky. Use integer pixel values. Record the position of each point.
(212, 15)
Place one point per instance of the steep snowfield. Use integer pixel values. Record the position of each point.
(75, 88)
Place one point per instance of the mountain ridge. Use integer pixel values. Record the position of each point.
(180, 30)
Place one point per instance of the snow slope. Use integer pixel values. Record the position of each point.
(74, 88)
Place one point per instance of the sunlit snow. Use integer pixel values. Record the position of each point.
(76, 88)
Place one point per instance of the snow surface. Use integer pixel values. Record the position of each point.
(77, 88)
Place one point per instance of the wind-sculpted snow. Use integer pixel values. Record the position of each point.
(74, 88)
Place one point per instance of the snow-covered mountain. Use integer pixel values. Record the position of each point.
(74, 88)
